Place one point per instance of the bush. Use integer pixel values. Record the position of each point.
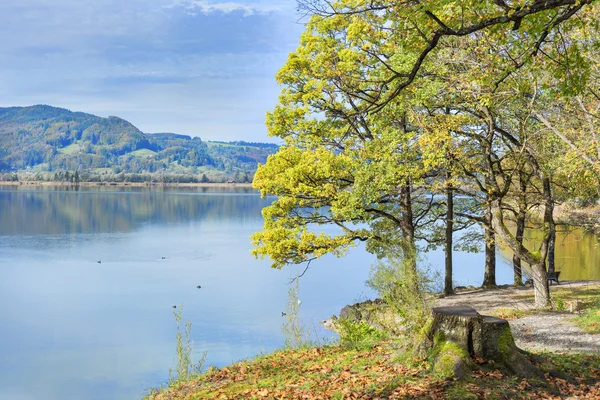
(407, 290)
(185, 368)
(294, 331)
(358, 333)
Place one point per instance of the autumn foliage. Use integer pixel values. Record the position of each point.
(338, 372)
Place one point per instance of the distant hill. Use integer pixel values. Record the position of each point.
(49, 141)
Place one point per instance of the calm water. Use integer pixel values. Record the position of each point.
(73, 328)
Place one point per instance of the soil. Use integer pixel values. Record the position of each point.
(551, 331)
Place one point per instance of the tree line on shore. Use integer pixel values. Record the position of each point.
(50, 140)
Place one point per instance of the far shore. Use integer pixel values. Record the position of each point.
(133, 184)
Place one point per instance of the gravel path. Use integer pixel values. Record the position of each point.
(544, 331)
(553, 332)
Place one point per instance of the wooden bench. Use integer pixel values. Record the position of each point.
(553, 276)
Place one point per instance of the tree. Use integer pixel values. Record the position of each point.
(362, 148)
(418, 32)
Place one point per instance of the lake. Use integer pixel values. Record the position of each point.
(88, 279)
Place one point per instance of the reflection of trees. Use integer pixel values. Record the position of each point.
(577, 253)
(84, 211)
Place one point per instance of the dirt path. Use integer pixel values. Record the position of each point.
(544, 331)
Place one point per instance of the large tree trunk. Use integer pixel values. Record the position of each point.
(448, 289)
(538, 269)
(541, 290)
(489, 277)
(537, 260)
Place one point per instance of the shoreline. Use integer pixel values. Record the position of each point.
(123, 184)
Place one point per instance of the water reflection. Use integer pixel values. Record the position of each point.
(117, 209)
(577, 252)
(74, 328)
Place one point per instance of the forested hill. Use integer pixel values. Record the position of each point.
(48, 141)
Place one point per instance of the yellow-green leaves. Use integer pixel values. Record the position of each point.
(384, 96)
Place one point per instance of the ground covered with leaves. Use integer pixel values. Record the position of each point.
(379, 371)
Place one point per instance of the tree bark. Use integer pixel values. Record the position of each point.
(409, 248)
(552, 247)
(541, 290)
(520, 220)
(551, 227)
(537, 260)
(489, 277)
(448, 289)
(540, 281)
(517, 268)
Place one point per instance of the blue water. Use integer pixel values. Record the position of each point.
(73, 328)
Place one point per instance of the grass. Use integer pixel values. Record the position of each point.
(380, 369)
(590, 320)
(70, 149)
(342, 372)
(143, 153)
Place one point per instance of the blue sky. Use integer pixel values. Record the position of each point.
(198, 67)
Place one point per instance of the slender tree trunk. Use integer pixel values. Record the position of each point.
(489, 277)
(552, 241)
(407, 227)
(552, 247)
(518, 272)
(448, 289)
(552, 228)
(521, 216)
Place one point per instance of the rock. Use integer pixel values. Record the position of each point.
(375, 313)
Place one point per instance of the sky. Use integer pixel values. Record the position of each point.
(197, 67)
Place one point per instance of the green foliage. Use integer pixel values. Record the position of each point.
(294, 331)
(559, 304)
(358, 333)
(437, 95)
(590, 319)
(63, 140)
(406, 289)
(185, 368)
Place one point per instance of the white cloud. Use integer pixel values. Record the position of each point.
(207, 7)
(191, 66)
